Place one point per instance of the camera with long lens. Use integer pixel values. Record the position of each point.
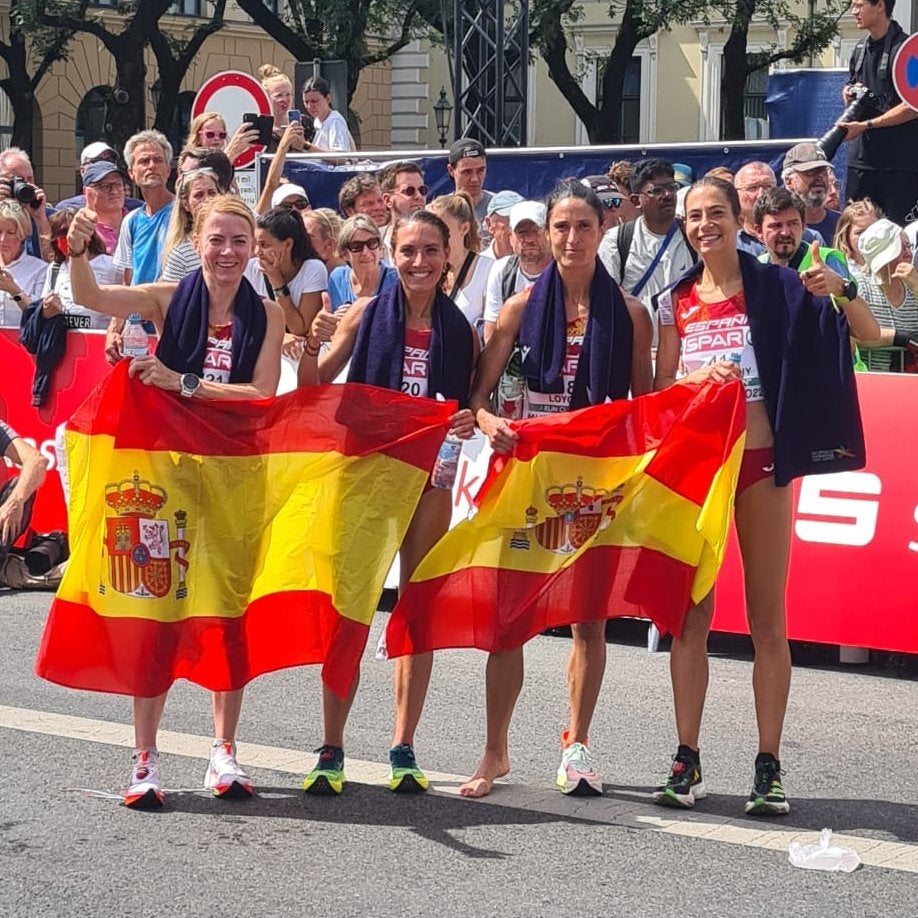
(862, 106)
(24, 192)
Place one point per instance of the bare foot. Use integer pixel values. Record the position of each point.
(490, 768)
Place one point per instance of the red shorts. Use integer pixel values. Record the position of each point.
(756, 465)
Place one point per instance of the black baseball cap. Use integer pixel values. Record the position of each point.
(465, 148)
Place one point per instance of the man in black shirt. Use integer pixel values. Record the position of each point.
(882, 164)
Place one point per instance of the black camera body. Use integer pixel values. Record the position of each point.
(863, 106)
(24, 192)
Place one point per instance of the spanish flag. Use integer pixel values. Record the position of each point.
(622, 509)
(216, 541)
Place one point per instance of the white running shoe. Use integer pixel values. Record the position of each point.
(576, 775)
(224, 776)
(145, 790)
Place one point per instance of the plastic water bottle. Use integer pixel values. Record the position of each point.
(135, 342)
(447, 464)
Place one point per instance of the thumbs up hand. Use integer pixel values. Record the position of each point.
(325, 322)
(819, 279)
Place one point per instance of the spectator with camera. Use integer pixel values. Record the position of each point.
(17, 182)
(880, 128)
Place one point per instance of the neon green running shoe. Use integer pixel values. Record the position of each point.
(328, 775)
(404, 775)
(767, 797)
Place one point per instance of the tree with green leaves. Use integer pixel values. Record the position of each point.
(29, 52)
(137, 27)
(340, 30)
(811, 35)
(550, 23)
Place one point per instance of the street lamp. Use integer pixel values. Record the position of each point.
(442, 112)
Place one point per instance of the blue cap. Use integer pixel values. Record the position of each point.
(501, 203)
(96, 172)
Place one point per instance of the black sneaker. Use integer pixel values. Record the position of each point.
(767, 797)
(684, 785)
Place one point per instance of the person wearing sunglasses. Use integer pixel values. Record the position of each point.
(403, 191)
(648, 254)
(610, 198)
(208, 131)
(364, 275)
(105, 187)
(286, 268)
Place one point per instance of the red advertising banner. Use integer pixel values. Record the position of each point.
(854, 555)
(84, 364)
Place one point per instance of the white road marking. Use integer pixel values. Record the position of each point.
(608, 810)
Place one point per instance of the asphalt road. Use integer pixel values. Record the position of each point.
(68, 848)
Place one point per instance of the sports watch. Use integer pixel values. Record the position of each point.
(849, 290)
(190, 384)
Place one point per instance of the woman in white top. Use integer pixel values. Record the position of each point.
(57, 291)
(192, 189)
(331, 131)
(21, 275)
(287, 269)
(887, 281)
(467, 279)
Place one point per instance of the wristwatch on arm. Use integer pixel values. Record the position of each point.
(190, 384)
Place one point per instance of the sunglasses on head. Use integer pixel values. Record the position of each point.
(412, 190)
(214, 135)
(356, 247)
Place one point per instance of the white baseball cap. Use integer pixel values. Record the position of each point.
(94, 151)
(286, 191)
(527, 210)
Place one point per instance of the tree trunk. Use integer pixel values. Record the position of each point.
(606, 127)
(127, 111)
(735, 71)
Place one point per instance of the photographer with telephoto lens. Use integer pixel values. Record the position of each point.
(882, 131)
(17, 183)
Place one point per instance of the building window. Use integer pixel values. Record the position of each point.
(629, 120)
(181, 120)
(92, 116)
(754, 93)
(186, 8)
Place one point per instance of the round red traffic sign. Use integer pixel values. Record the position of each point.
(233, 94)
(905, 71)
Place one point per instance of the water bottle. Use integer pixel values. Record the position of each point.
(135, 342)
(447, 464)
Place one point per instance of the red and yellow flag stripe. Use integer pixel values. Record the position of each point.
(618, 510)
(216, 541)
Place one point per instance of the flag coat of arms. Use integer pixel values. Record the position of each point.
(216, 541)
(622, 509)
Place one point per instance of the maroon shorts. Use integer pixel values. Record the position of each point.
(756, 465)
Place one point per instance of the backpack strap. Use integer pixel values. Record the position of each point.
(508, 278)
(623, 242)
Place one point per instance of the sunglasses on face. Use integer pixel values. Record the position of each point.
(356, 247)
(612, 203)
(412, 190)
(298, 204)
(110, 187)
(214, 135)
